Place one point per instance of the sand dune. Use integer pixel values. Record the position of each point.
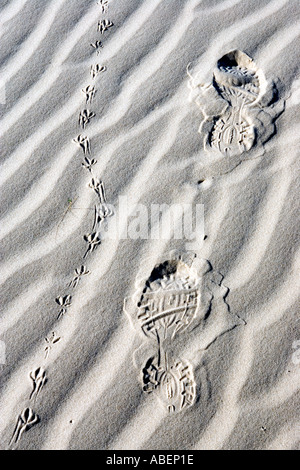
(149, 115)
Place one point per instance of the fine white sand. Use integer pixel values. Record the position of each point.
(74, 368)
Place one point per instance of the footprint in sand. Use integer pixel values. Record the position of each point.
(181, 291)
(97, 45)
(39, 379)
(89, 93)
(53, 339)
(84, 143)
(96, 69)
(104, 5)
(237, 106)
(25, 421)
(104, 25)
(64, 302)
(167, 305)
(85, 117)
(78, 274)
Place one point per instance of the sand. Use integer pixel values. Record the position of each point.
(111, 336)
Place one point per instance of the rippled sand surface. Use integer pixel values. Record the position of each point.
(84, 123)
